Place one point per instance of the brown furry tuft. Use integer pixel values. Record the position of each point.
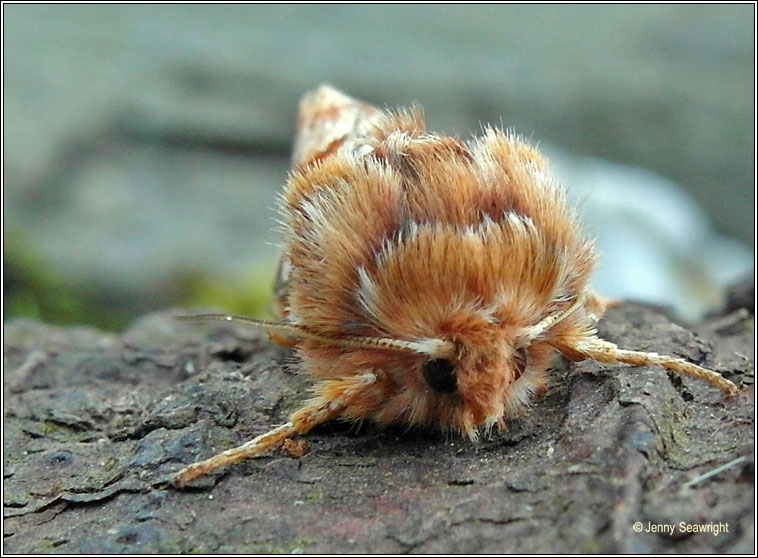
(414, 236)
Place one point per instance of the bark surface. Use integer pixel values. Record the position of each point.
(95, 424)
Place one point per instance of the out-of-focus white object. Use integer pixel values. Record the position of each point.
(655, 242)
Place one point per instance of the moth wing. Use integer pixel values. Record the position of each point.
(327, 120)
(281, 288)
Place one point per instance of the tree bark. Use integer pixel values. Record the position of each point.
(95, 425)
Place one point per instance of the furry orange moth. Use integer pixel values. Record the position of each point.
(425, 280)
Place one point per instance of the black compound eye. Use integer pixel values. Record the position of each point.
(440, 375)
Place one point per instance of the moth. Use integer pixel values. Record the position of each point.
(425, 280)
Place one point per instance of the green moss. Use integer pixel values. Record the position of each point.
(316, 496)
(55, 431)
(249, 293)
(46, 545)
(110, 463)
(48, 428)
(34, 290)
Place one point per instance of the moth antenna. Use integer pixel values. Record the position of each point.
(289, 329)
(604, 351)
(437, 348)
(529, 334)
(335, 397)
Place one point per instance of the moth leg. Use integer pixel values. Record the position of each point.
(604, 351)
(332, 398)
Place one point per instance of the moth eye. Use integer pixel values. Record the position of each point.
(519, 360)
(440, 375)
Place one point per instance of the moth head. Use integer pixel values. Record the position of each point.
(482, 301)
(461, 380)
(489, 376)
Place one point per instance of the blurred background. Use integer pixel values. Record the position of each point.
(144, 145)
